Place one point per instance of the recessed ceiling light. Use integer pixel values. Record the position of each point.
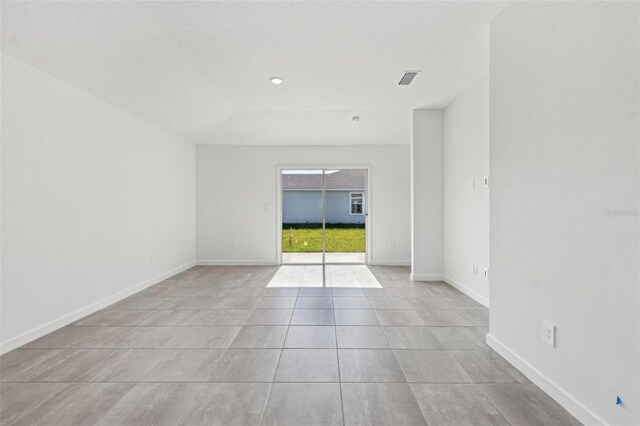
(355, 118)
(276, 80)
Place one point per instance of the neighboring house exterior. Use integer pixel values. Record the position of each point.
(345, 197)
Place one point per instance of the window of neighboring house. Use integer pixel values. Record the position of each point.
(356, 202)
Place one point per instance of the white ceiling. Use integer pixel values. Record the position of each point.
(201, 69)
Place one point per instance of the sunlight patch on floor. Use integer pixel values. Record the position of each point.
(309, 258)
(357, 276)
(353, 276)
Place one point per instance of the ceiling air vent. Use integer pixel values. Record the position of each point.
(408, 77)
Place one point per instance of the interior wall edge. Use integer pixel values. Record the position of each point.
(466, 209)
(35, 333)
(466, 289)
(551, 388)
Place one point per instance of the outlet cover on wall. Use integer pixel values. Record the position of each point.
(232, 245)
(153, 260)
(549, 333)
(474, 269)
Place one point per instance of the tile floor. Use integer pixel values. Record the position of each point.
(342, 276)
(216, 346)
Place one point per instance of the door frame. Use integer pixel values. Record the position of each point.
(367, 201)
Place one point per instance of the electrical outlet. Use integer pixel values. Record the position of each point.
(232, 245)
(549, 333)
(472, 184)
(474, 269)
(153, 260)
(392, 245)
(485, 273)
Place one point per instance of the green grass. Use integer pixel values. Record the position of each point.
(346, 240)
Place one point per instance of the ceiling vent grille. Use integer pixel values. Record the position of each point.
(407, 78)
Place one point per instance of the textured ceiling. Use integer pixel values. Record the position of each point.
(201, 69)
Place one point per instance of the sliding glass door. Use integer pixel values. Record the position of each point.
(302, 216)
(324, 216)
(345, 218)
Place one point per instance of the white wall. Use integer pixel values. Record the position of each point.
(466, 204)
(565, 232)
(89, 193)
(236, 198)
(427, 195)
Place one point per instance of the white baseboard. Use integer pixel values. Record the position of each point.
(236, 263)
(561, 396)
(467, 290)
(31, 335)
(425, 277)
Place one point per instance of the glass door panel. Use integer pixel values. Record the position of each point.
(345, 216)
(302, 216)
